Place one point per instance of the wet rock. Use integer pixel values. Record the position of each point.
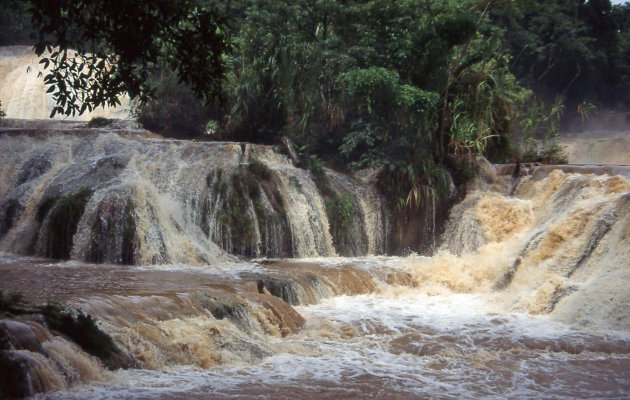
(222, 307)
(14, 376)
(34, 167)
(91, 172)
(60, 218)
(283, 289)
(558, 294)
(10, 212)
(602, 227)
(21, 336)
(292, 153)
(84, 331)
(112, 231)
(506, 279)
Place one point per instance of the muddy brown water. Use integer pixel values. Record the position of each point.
(392, 340)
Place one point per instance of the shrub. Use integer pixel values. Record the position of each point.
(99, 122)
(10, 300)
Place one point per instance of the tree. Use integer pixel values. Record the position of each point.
(96, 50)
(14, 23)
(174, 111)
(410, 86)
(566, 47)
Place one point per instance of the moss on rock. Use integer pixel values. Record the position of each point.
(63, 214)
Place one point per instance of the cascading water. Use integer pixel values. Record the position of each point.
(526, 297)
(118, 197)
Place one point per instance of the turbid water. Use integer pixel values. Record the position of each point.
(378, 341)
(527, 297)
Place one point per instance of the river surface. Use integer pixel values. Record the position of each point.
(527, 294)
(396, 342)
(412, 347)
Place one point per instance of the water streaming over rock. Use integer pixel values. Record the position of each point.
(527, 295)
(554, 242)
(116, 196)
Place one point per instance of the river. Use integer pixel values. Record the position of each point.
(527, 294)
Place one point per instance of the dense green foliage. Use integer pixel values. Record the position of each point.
(412, 87)
(416, 88)
(15, 27)
(577, 49)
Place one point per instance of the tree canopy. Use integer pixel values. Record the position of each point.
(415, 88)
(577, 49)
(100, 49)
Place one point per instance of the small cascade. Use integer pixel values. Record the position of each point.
(158, 318)
(539, 288)
(112, 195)
(549, 242)
(363, 230)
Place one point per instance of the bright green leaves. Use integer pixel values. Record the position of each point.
(416, 101)
(384, 107)
(486, 99)
(373, 90)
(540, 126)
(379, 92)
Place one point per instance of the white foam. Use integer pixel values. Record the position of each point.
(473, 361)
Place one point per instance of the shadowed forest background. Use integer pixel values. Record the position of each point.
(415, 88)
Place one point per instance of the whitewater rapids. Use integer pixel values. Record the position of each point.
(527, 297)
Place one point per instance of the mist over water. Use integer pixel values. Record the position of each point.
(604, 138)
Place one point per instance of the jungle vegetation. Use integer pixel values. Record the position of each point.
(416, 88)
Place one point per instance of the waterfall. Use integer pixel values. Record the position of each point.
(528, 281)
(552, 242)
(23, 93)
(123, 272)
(113, 195)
